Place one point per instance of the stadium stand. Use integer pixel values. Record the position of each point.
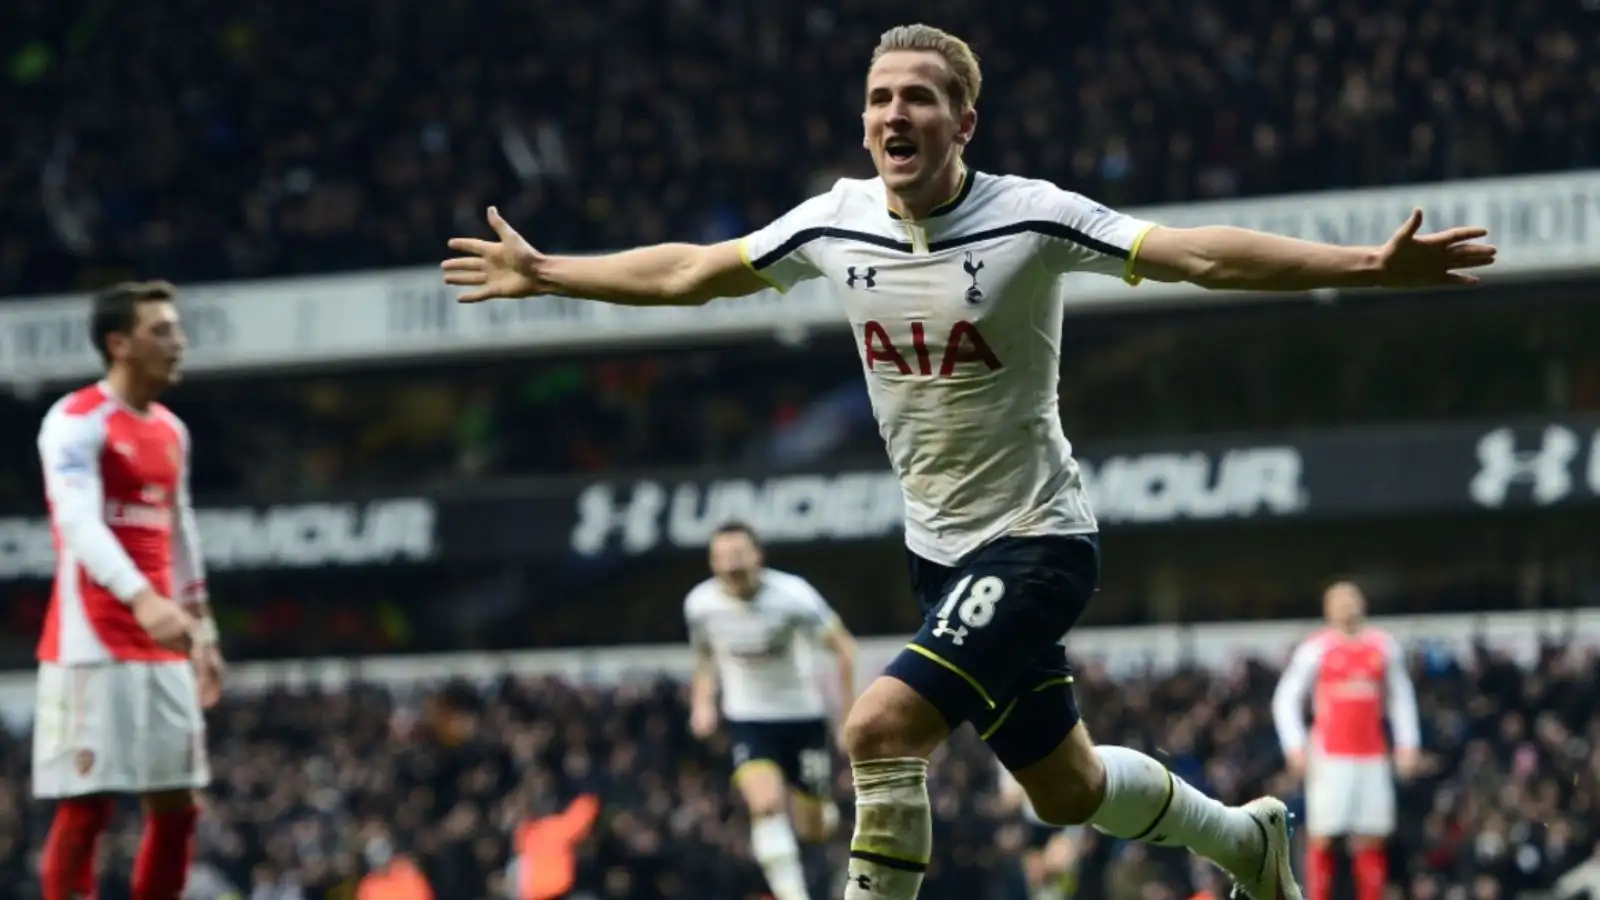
(313, 787)
(209, 142)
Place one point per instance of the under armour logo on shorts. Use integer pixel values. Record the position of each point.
(958, 635)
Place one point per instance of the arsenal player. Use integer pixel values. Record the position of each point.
(129, 655)
(1354, 673)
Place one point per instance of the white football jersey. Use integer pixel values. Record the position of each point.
(957, 319)
(762, 646)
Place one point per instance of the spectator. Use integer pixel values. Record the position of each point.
(212, 141)
(315, 790)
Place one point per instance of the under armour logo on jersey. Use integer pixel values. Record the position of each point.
(974, 293)
(870, 276)
(863, 882)
(1548, 470)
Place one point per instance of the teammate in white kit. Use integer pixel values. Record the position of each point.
(950, 280)
(129, 651)
(751, 626)
(1352, 673)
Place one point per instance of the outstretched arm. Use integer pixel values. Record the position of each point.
(662, 275)
(1221, 257)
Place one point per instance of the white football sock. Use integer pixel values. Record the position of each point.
(894, 830)
(1146, 802)
(774, 847)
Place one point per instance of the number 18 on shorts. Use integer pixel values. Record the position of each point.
(989, 649)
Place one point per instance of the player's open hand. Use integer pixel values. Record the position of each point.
(167, 623)
(503, 269)
(1407, 763)
(1410, 259)
(1295, 763)
(209, 671)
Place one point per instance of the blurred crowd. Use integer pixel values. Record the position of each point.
(204, 141)
(314, 790)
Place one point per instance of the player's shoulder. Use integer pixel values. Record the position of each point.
(1319, 642)
(857, 190)
(86, 401)
(79, 412)
(790, 588)
(702, 597)
(162, 413)
(846, 202)
(1383, 640)
(786, 582)
(1019, 196)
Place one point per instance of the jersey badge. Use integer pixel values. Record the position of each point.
(73, 462)
(974, 293)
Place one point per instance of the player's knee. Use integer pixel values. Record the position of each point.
(761, 784)
(90, 812)
(1359, 842)
(1067, 785)
(891, 721)
(814, 821)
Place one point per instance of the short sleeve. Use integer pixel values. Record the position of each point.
(1085, 236)
(812, 611)
(780, 252)
(694, 622)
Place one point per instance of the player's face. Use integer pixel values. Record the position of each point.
(736, 562)
(913, 131)
(153, 350)
(1343, 606)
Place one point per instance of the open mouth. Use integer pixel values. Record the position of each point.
(900, 149)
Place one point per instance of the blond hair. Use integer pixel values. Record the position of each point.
(966, 79)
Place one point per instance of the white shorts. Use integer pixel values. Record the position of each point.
(1349, 795)
(118, 728)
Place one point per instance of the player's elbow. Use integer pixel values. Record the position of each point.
(705, 273)
(692, 280)
(1177, 255)
(683, 289)
(844, 655)
(79, 526)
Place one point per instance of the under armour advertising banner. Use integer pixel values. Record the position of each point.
(1411, 470)
(1422, 469)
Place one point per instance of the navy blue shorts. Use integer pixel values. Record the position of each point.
(989, 651)
(798, 747)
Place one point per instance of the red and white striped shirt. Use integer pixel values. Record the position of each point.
(1352, 680)
(117, 483)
